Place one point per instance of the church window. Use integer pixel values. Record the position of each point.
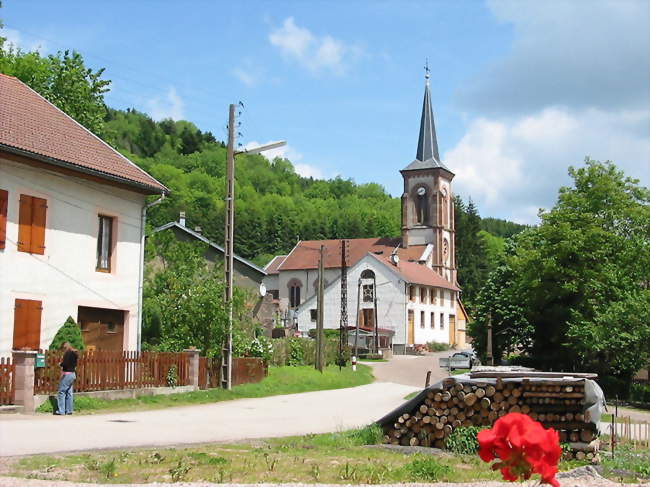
(411, 293)
(421, 206)
(421, 319)
(294, 292)
(423, 295)
(434, 298)
(368, 293)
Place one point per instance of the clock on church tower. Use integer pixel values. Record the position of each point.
(427, 201)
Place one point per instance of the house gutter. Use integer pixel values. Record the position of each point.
(143, 223)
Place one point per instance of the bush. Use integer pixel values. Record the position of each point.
(301, 351)
(614, 387)
(427, 469)
(640, 393)
(328, 332)
(260, 347)
(438, 346)
(463, 440)
(69, 332)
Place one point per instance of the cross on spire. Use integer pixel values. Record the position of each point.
(426, 69)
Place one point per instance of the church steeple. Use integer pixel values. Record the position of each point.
(427, 201)
(427, 143)
(427, 156)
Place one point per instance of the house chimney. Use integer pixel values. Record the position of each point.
(181, 218)
(197, 230)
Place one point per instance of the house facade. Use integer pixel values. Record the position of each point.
(405, 286)
(72, 219)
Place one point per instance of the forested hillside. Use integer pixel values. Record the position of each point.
(275, 206)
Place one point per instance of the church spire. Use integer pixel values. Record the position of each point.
(427, 142)
(427, 156)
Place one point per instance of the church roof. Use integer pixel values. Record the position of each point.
(427, 156)
(415, 273)
(306, 252)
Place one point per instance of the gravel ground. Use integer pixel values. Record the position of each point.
(579, 480)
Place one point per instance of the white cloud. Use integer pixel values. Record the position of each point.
(575, 83)
(169, 106)
(307, 171)
(288, 152)
(15, 39)
(513, 167)
(312, 52)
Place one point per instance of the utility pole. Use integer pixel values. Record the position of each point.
(356, 333)
(226, 352)
(488, 353)
(343, 329)
(374, 298)
(318, 362)
(229, 237)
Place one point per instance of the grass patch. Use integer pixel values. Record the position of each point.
(460, 371)
(281, 380)
(411, 395)
(340, 458)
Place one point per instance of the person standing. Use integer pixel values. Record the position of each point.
(68, 376)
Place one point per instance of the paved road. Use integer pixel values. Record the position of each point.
(295, 414)
(410, 369)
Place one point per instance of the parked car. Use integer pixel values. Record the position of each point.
(460, 360)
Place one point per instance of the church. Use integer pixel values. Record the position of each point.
(403, 290)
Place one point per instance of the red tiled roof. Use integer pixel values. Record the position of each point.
(306, 253)
(415, 273)
(29, 123)
(272, 267)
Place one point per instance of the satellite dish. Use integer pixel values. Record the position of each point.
(394, 258)
(262, 290)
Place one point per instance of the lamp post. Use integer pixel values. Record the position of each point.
(226, 353)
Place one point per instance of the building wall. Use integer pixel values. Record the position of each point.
(65, 276)
(307, 278)
(392, 306)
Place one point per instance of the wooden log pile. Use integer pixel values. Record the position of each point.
(475, 403)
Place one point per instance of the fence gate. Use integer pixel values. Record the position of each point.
(7, 381)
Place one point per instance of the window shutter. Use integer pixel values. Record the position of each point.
(34, 330)
(39, 212)
(27, 324)
(25, 224)
(4, 201)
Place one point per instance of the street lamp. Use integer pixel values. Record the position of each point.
(226, 352)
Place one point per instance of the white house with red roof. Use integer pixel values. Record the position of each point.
(72, 219)
(403, 286)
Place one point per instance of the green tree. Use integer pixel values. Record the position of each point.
(583, 275)
(69, 332)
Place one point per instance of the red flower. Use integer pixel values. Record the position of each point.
(523, 447)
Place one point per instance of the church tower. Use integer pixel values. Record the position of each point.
(427, 202)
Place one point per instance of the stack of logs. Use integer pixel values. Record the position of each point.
(554, 404)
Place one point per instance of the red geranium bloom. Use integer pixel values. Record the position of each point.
(523, 447)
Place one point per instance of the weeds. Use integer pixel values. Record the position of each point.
(427, 469)
(180, 471)
(109, 469)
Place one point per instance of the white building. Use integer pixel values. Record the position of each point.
(418, 298)
(72, 214)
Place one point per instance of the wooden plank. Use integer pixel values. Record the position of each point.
(25, 223)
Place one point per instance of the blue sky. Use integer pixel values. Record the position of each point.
(520, 90)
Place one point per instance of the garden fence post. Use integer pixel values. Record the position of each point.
(194, 366)
(24, 361)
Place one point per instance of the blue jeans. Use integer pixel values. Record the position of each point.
(64, 398)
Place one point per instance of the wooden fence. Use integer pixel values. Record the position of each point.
(244, 370)
(7, 381)
(111, 370)
(628, 430)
